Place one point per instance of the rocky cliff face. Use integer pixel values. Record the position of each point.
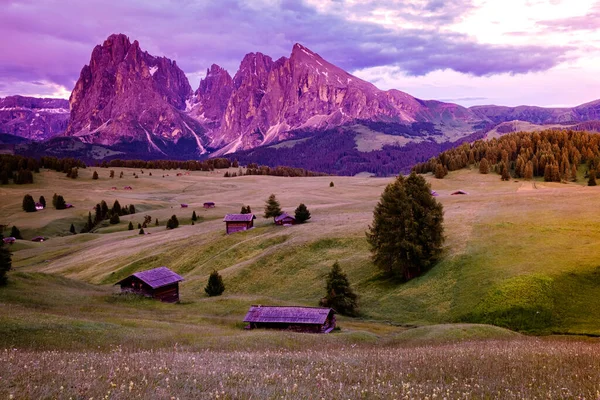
(33, 118)
(270, 98)
(126, 97)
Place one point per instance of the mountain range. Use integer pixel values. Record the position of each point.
(140, 105)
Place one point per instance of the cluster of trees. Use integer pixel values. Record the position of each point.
(58, 202)
(61, 164)
(273, 210)
(102, 212)
(192, 165)
(173, 222)
(407, 232)
(554, 155)
(246, 210)
(20, 169)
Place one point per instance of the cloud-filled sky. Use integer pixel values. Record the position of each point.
(509, 52)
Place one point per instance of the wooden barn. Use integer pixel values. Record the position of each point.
(238, 222)
(299, 319)
(209, 204)
(285, 219)
(159, 283)
(9, 240)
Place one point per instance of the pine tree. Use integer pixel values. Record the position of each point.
(173, 222)
(95, 175)
(302, 214)
(28, 203)
(484, 166)
(116, 208)
(272, 207)
(139, 226)
(592, 178)
(243, 210)
(406, 236)
(112, 173)
(60, 203)
(339, 294)
(504, 173)
(141, 232)
(130, 227)
(194, 217)
(14, 232)
(215, 286)
(105, 209)
(440, 172)
(156, 222)
(43, 201)
(72, 229)
(5, 261)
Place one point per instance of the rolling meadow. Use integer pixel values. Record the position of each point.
(510, 311)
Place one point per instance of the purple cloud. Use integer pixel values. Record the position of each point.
(51, 40)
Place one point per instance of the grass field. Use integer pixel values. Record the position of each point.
(519, 255)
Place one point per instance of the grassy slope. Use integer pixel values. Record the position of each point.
(518, 255)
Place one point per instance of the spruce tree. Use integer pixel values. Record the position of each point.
(28, 203)
(95, 175)
(5, 261)
(156, 223)
(302, 214)
(331, 184)
(131, 209)
(139, 226)
(141, 232)
(339, 294)
(14, 232)
(42, 201)
(406, 235)
(105, 209)
(130, 227)
(112, 173)
(116, 208)
(272, 207)
(215, 286)
(72, 229)
(194, 217)
(243, 210)
(54, 199)
(60, 203)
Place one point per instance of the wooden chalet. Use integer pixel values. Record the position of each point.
(159, 283)
(285, 219)
(299, 319)
(9, 240)
(209, 204)
(238, 222)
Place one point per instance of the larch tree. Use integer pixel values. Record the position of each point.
(406, 235)
(339, 295)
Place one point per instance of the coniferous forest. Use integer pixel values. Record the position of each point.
(554, 155)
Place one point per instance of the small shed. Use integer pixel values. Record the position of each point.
(159, 283)
(183, 205)
(299, 319)
(127, 188)
(238, 222)
(9, 240)
(458, 192)
(285, 219)
(38, 239)
(39, 206)
(209, 204)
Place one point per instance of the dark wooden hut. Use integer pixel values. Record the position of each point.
(285, 219)
(238, 222)
(458, 192)
(299, 319)
(209, 204)
(159, 283)
(9, 240)
(38, 239)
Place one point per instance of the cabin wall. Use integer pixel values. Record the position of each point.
(232, 227)
(168, 294)
(136, 286)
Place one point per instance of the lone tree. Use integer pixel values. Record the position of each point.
(54, 199)
(141, 232)
(5, 261)
(28, 203)
(14, 232)
(60, 203)
(272, 207)
(95, 175)
(72, 229)
(114, 219)
(331, 184)
(43, 201)
(215, 286)
(339, 294)
(130, 226)
(406, 236)
(194, 216)
(302, 214)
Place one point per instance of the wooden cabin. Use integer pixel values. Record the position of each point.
(299, 319)
(209, 204)
(285, 219)
(39, 206)
(159, 283)
(9, 240)
(238, 222)
(183, 205)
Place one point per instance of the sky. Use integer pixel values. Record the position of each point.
(504, 52)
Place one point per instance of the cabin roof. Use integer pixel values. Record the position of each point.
(156, 277)
(288, 314)
(209, 202)
(459, 192)
(238, 218)
(284, 216)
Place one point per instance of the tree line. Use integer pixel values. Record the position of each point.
(191, 165)
(20, 169)
(554, 155)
